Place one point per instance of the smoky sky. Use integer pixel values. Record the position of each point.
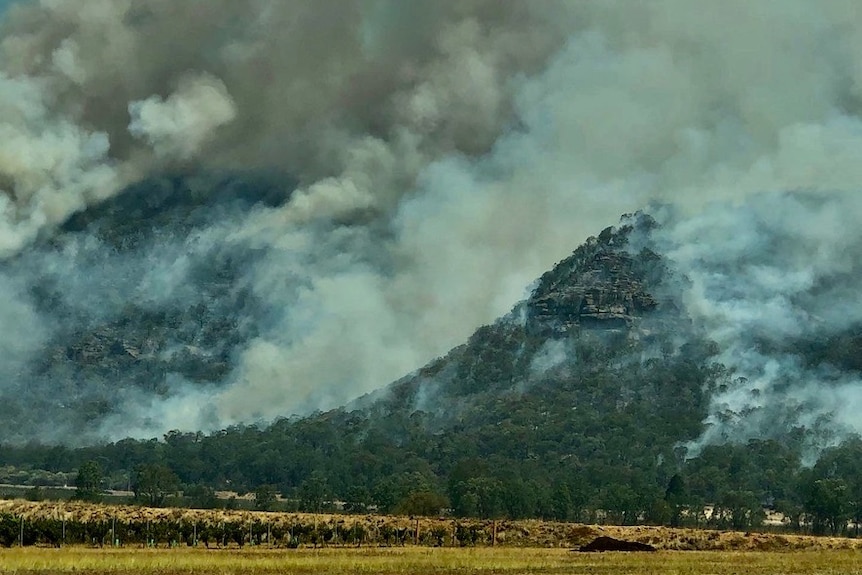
(423, 162)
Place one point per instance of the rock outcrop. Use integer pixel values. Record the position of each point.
(602, 285)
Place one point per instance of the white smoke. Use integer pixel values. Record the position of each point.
(49, 167)
(178, 126)
(447, 154)
(552, 353)
(777, 270)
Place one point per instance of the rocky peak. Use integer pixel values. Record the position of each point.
(602, 285)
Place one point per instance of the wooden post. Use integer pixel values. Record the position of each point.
(21, 533)
(64, 530)
(416, 534)
(195, 535)
(494, 534)
(114, 532)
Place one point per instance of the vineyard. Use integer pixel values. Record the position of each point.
(25, 523)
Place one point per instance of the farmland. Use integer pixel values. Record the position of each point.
(410, 560)
(140, 540)
(49, 524)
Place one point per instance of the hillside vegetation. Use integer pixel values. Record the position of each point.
(581, 403)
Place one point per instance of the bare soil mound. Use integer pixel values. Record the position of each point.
(610, 544)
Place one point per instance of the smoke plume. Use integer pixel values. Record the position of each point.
(306, 200)
(773, 283)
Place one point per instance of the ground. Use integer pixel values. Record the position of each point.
(425, 561)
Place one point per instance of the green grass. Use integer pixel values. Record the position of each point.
(425, 561)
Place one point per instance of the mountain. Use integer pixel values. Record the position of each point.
(591, 396)
(596, 376)
(149, 298)
(129, 300)
(601, 337)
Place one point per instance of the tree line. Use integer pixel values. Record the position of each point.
(729, 486)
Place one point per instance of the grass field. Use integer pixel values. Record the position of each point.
(424, 561)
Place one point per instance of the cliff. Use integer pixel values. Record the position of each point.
(602, 285)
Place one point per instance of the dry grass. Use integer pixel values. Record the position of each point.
(531, 533)
(710, 540)
(425, 561)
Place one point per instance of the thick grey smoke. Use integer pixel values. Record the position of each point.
(774, 282)
(446, 154)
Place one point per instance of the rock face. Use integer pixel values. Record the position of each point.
(602, 285)
(140, 349)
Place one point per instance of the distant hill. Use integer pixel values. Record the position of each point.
(577, 404)
(138, 300)
(595, 377)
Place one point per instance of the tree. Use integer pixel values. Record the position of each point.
(676, 498)
(313, 492)
(828, 503)
(152, 483)
(478, 497)
(844, 463)
(562, 502)
(384, 495)
(622, 503)
(358, 499)
(88, 483)
(265, 498)
(35, 493)
(741, 509)
(201, 497)
(423, 503)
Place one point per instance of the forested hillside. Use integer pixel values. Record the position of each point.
(588, 399)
